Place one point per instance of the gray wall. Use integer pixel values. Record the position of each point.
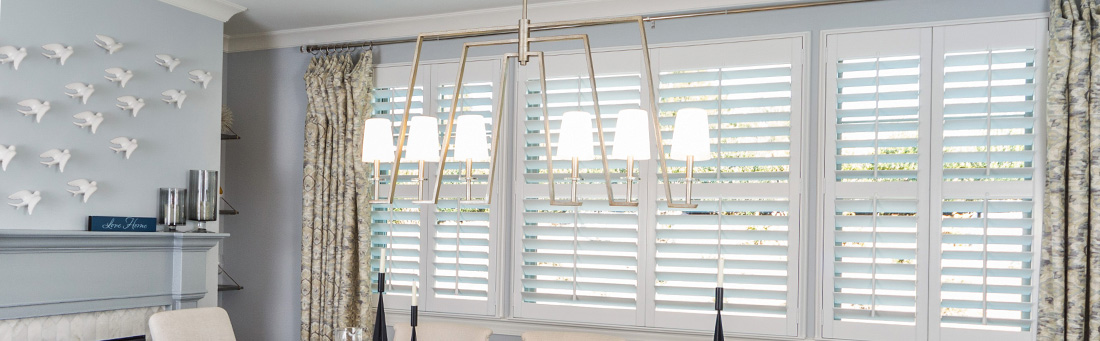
(264, 171)
(171, 141)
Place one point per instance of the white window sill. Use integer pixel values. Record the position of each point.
(517, 326)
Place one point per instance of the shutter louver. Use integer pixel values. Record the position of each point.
(877, 119)
(583, 256)
(875, 256)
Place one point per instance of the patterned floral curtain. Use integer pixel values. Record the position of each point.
(1069, 308)
(336, 288)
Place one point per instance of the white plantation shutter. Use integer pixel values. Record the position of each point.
(748, 193)
(397, 226)
(939, 241)
(875, 165)
(570, 257)
(989, 168)
(464, 235)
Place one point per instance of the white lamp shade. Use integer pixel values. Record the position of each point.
(423, 139)
(378, 140)
(631, 135)
(470, 142)
(575, 136)
(691, 135)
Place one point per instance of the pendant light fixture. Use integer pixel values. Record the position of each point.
(423, 147)
(471, 146)
(523, 55)
(377, 147)
(574, 144)
(631, 143)
(690, 142)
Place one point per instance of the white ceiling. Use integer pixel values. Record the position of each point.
(276, 15)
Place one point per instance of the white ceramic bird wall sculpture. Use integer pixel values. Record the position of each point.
(83, 186)
(26, 199)
(174, 96)
(58, 51)
(90, 120)
(107, 43)
(57, 157)
(201, 77)
(13, 55)
(119, 75)
(6, 154)
(125, 144)
(168, 61)
(81, 90)
(131, 103)
(35, 107)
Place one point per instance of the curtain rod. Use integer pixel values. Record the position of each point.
(579, 23)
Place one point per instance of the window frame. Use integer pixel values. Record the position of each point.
(928, 326)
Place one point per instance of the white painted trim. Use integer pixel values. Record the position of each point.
(501, 16)
(220, 10)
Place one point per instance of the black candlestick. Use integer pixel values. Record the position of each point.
(380, 333)
(719, 335)
(413, 322)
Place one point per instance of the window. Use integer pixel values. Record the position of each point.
(651, 265)
(930, 190)
(457, 249)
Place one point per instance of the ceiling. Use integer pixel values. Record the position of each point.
(275, 15)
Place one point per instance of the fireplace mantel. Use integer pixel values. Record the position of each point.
(44, 273)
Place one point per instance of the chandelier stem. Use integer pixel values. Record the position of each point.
(690, 178)
(575, 179)
(629, 178)
(377, 179)
(420, 179)
(469, 179)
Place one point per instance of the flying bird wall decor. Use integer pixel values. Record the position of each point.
(80, 90)
(35, 107)
(6, 154)
(107, 43)
(90, 120)
(83, 186)
(174, 96)
(12, 54)
(131, 103)
(58, 51)
(57, 157)
(26, 199)
(125, 144)
(168, 61)
(119, 75)
(201, 77)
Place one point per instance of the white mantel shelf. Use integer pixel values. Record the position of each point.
(46, 273)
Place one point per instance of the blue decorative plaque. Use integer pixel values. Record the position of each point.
(122, 224)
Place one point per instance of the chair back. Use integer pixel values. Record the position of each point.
(441, 331)
(568, 336)
(205, 324)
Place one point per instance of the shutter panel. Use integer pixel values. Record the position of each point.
(397, 226)
(584, 256)
(747, 193)
(876, 162)
(990, 225)
(463, 235)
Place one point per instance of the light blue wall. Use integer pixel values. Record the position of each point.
(264, 171)
(171, 141)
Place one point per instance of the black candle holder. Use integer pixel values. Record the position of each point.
(719, 335)
(380, 333)
(413, 316)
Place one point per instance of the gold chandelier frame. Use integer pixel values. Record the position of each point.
(523, 56)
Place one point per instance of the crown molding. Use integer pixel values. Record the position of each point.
(500, 16)
(219, 10)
